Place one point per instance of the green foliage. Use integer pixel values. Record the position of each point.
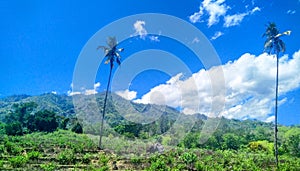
(261, 146)
(77, 128)
(18, 161)
(66, 156)
(86, 159)
(103, 168)
(48, 166)
(14, 128)
(2, 130)
(12, 148)
(189, 158)
(103, 159)
(158, 165)
(33, 155)
(136, 160)
(45, 121)
(191, 140)
(230, 141)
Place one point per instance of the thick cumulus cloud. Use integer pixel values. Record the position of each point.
(249, 86)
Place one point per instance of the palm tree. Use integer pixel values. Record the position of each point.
(112, 54)
(274, 45)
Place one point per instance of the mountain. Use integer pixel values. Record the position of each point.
(121, 114)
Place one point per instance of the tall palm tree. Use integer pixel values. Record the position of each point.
(274, 45)
(112, 54)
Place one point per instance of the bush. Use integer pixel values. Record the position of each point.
(33, 155)
(66, 157)
(13, 148)
(189, 158)
(45, 121)
(158, 165)
(18, 161)
(14, 128)
(86, 159)
(261, 146)
(103, 160)
(77, 128)
(1, 163)
(48, 166)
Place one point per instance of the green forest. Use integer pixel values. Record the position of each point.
(45, 133)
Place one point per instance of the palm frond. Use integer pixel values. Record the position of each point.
(111, 52)
(111, 42)
(105, 49)
(281, 45)
(268, 43)
(284, 33)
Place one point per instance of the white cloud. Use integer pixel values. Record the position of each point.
(215, 9)
(154, 38)
(249, 87)
(139, 27)
(254, 10)
(291, 12)
(53, 92)
(236, 19)
(196, 17)
(84, 90)
(270, 119)
(216, 35)
(72, 93)
(126, 94)
(233, 20)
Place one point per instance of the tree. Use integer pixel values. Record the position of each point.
(14, 128)
(17, 119)
(112, 54)
(77, 128)
(45, 121)
(274, 45)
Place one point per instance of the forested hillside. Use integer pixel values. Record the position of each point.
(48, 132)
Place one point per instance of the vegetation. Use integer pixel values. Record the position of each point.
(112, 54)
(274, 45)
(235, 145)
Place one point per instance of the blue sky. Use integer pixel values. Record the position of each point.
(41, 41)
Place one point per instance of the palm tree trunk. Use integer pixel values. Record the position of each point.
(104, 107)
(276, 111)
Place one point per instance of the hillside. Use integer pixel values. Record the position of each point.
(132, 132)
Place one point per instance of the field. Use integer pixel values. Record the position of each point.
(65, 150)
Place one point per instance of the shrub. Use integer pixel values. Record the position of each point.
(77, 128)
(33, 155)
(66, 157)
(86, 159)
(14, 128)
(13, 148)
(103, 160)
(48, 166)
(1, 163)
(261, 146)
(136, 160)
(104, 168)
(158, 165)
(18, 161)
(189, 158)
